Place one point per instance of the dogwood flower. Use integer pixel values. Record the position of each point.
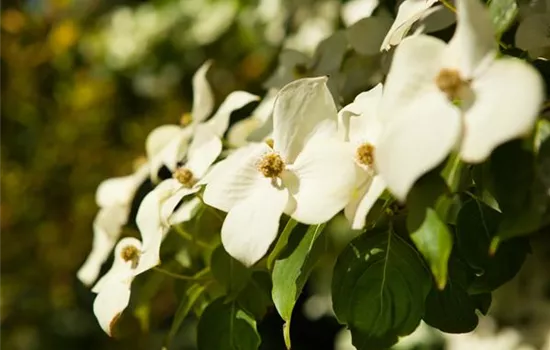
(167, 144)
(114, 197)
(114, 288)
(412, 11)
(362, 128)
(157, 212)
(440, 96)
(305, 171)
(256, 127)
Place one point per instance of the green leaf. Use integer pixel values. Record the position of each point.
(226, 326)
(366, 35)
(292, 269)
(281, 242)
(255, 298)
(512, 175)
(230, 273)
(503, 13)
(477, 226)
(424, 195)
(365, 341)
(435, 242)
(379, 287)
(452, 310)
(187, 301)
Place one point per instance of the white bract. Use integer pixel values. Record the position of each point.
(439, 97)
(362, 128)
(113, 289)
(306, 172)
(167, 144)
(411, 11)
(157, 212)
(256, 127)
(114, 197)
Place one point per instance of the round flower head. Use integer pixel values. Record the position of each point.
(114, 197)
(168, 144)
(361, 126)
(113, 289)
(439, 97)
(305, 172)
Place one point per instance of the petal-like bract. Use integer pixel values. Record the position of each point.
(252, 223)
(303, 109)
(321, 180)
(507, 98)
(203, 98)
(235, 100)
(416, 141)
(235, 178)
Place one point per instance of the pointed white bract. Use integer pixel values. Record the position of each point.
(409, 13)
(114, 197)
(360, 124)
(155, 213)
(440, 96)
(113, 289)
(167, 144)
(256, 127)
(306, 172)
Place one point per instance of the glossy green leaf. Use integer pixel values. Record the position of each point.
(365, 341)
(503, 13)
(435, 242)
(452, 310)
(255, 298)
(229, 272)
(477, 225)
(292, 269)
(225, 326)
(281, 242)
(424, 195)
(379, 286)
(187, 301)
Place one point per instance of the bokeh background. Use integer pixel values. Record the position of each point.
(83, 82)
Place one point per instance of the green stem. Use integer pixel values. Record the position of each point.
(212, 210)
(185, 235)
(199, 276)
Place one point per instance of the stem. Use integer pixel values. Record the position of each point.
(448, 5)
(191, 238)
(212, 210)
(197, 277)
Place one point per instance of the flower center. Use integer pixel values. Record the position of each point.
(185, 177)
(271, 165)
(130, 253)
(365, 154)
(450, 83)
(186, 119)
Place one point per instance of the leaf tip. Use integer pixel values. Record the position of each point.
(495, 243)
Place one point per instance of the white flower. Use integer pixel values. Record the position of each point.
(307, 173)
(156, 212)
(114, 197)
(362, 128)
(440, 96)
(411, 11)
(256, 127)
(113, 289)
(167, 144)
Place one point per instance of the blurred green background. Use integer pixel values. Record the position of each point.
(83, 82)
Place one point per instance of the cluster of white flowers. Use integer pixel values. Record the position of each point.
(298, 155)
